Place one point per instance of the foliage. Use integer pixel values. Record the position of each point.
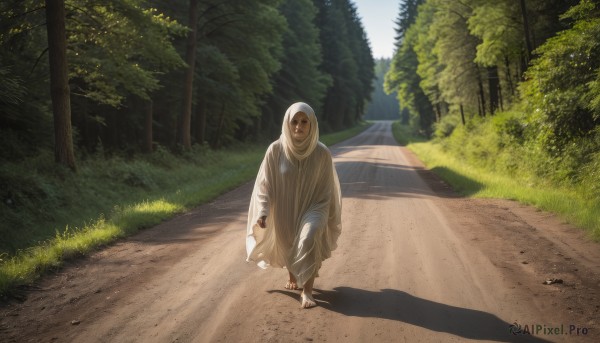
(117, 47)
(589, 176)
(445, 126)
(36, 202)
(466, 56)
(471, 57)
(44, 221)
(562, 89)
(299, 78)
(428, 68)
(254, 58)
(568, 201)
(404, 135)
(498, 25)
(455, 49)
(347, 59)
(402, 77)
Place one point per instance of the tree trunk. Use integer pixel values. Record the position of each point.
(59, 83)
(462, 114)
(500, 96)
(481, 96)
(217, 140)
(493, 88)
(112, 130)
(511, 88)
(147, 148)
(188, 86)
(200, 120)
(404, 116)
(526, 30)
(83, 123)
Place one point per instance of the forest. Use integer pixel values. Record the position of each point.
(131, 76)
(510, 86)
(383, 106)
(117, 114)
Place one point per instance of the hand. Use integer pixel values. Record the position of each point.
(262, 222)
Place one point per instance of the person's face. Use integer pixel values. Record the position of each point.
(300, 126)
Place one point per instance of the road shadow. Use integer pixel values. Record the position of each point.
(400, 306)
(377, 180)
(462, 184)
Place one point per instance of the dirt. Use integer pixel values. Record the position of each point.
(415, 263)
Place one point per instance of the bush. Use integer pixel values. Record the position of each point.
(562, 88)
(510, 127)
(502, 144)
(446, 126)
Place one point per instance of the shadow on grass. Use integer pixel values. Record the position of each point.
(460, 183)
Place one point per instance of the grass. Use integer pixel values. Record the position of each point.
(121, 197)
(478, 182)
(336, 137)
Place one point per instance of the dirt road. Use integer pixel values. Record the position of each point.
(415, 263)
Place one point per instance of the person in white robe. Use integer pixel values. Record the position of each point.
(294, 218)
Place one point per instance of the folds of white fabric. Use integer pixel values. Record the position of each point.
(302, 203)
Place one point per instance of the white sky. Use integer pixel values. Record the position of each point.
(378, 20)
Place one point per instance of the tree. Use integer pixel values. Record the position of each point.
(382, 106)
(526, 29)
(461, 80)
(59, 83)
(403, 77)
(347, 59)
(126, 69)
(188, 86)
(247, 36)
(562, 92)
(118, 50)
(147, 146)
(429, 66)
(501, 49)
(299, 78)
(361, 50)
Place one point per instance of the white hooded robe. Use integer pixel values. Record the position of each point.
(297, 189)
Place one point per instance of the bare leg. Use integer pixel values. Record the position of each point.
(291, 284)
(307, 299)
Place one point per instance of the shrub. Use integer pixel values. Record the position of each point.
(446, 126)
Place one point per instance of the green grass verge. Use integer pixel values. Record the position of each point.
(121, 197)
(336, 137)
(477, 182)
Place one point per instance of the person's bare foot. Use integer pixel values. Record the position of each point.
(291, 284)
(307, 300)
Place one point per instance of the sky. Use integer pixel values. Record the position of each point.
(378, 20)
